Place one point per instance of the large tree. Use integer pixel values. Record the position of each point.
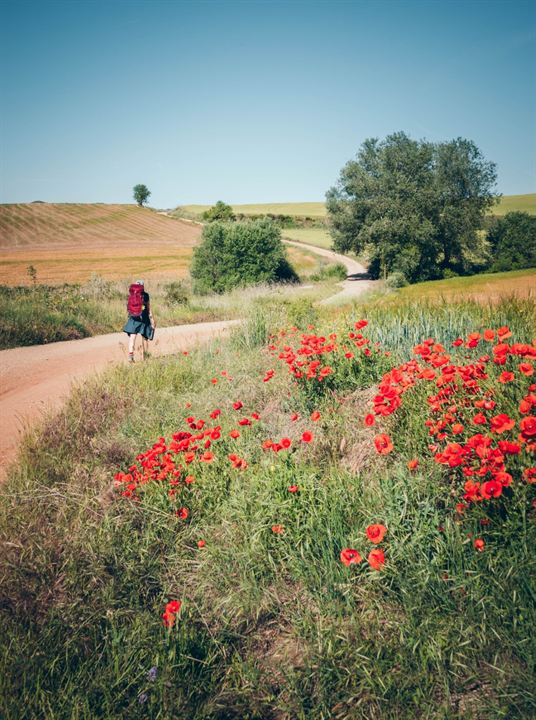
(416, 207)
(141, 194)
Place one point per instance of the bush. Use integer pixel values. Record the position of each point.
(513, 242)
(448, 273)
(396, 280)
(175, 293)
(220, 212)
(239, 254)
(329, 271)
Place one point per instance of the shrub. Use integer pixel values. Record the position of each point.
(220, 212)
(176, 293)
(513, 242)
(396, 280)
(331, 270)
(239, 254)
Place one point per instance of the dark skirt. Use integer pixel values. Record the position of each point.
(136, 326)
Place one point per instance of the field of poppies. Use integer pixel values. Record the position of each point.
(330, 515)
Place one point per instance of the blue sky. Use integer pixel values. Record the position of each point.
(252, 101)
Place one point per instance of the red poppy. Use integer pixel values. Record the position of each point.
(315, 416)
(293, 489)
(375, 533)
(370, 419)
(412, 464)
(479, 544)
(383, 444)
(294, 417)
(277, 529)
(350, 557)
(201, 543)
(234, 434)
(182, 513)
(491, 488)
(528, 426)
(286, 442)
(238, 405)
(307, 436)
(376, 558)
(506, 377)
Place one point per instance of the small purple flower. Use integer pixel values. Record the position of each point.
(151, 675)
(142, 699)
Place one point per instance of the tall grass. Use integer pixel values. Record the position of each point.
(272, 625)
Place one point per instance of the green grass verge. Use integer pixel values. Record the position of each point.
(272, 625)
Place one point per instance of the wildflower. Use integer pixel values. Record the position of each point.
(528, 426)
(182, 513)
(376, 558)
(201, 543)
(350, 557)
(491, 488)
(383, 444)
(294, 417)
(151, 675)
(234, 434)
(369, 419)
(238, 405)
(286, 442)
(479, 544)
(277, 529)
(506, 377)
(413, 464)
(307, 437)
(375, 533)
(293, 489)
(315, 416)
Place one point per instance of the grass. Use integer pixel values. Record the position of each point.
(44, 314)
(516, 203)
(312, 236)
(272, 625)
(486, 287)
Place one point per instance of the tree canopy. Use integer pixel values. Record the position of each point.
(219, 212)
(513, 241)
(416, 207)
(239, 254)
(141, 194)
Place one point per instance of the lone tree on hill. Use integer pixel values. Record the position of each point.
(416, 207)
(219, 212)
(141, 194)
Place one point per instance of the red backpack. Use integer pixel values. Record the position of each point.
(135, 300)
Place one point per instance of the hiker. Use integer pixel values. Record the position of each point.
(140, 318)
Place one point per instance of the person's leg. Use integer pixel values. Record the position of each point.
(131, 344)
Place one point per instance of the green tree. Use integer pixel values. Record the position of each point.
(416, 207)
(141, 194)
(220, 212)
(513, 242)
(239, 254)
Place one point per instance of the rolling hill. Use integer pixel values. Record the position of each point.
(508, 203)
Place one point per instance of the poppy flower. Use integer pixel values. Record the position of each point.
(277, 529)
(506, 377)
(528, 426)
(526, 368)
(479, 544)
(412, 464)
(286, 442)
(383, 443)
(293, 489)
(376, 558)
(182, 513)
(201, 543)
(294, 417)
(234, 434)
(238, 405)
(375, 533)
(315, 416)
(307, 436)
(370, 419)
(350, 557)
(491, 488)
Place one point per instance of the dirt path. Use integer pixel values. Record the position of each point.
(355, 284)
(38, 378)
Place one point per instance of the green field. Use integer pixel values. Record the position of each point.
(311, 236)
(508, 203)
(250, 545)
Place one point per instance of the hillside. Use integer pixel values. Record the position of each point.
(69, 242)
(508, 203)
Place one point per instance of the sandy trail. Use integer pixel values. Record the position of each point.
(36, 379)
(355, 284)
(39, 378)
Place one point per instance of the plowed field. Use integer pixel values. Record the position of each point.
(70, 242)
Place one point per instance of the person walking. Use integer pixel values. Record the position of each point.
(140, 318)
